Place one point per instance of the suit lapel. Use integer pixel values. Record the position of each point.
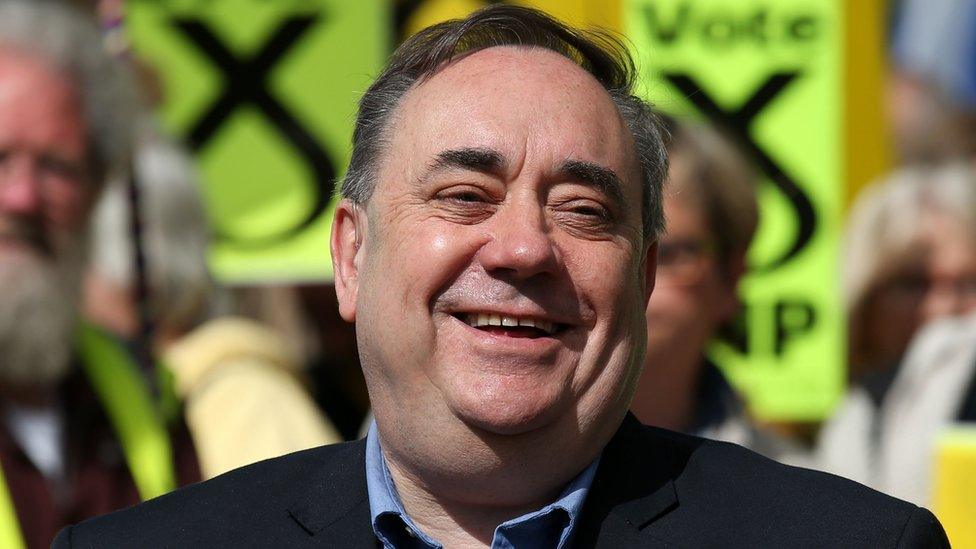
(633, 488)
(334, 507)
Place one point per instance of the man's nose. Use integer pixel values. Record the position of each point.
(521, 244)
(20, 188)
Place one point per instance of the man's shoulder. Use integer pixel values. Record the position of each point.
(268, 499)
(737, 492)
(730, 471)
(803, 505)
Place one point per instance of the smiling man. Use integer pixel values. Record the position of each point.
(492, 277)
(495, 247)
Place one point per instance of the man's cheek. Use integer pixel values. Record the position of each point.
(445, 251)
(69, 209)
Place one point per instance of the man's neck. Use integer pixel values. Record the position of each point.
(456, 523)
(459, 492)
(459, 485)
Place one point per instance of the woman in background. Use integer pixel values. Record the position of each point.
(711, 213)
(910, 264)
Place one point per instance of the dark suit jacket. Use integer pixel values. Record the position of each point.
(654, 488)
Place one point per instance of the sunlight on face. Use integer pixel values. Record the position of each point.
(502, 284)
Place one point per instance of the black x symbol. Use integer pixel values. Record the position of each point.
(737, 123)
(245, 82)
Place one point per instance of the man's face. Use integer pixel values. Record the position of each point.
(498, 276)
(44, 199)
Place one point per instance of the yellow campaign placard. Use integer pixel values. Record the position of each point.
(868, 139)
(954, 495)
(768, 73)
(264, 93)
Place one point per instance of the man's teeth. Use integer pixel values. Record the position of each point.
(480, 320)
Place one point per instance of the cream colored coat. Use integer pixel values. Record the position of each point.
(892, 448)
(242, 398)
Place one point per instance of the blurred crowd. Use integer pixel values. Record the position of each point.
(127, 370)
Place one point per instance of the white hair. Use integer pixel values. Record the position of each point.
(69, 40)
(38, 320)
(888, 217)
(175, 234)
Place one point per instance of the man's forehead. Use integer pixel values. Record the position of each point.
(488, 68)
(505, 98)
(21, 65)
(486, 61)
(35, 97)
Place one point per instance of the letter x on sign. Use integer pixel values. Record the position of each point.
(245, 83)
(737, 123)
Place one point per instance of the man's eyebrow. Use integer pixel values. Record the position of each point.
(594, 175)
(470, 158)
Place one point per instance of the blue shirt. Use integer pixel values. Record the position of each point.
(550, 527)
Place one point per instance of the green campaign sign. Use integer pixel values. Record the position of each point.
(264, 92)
(769, 73)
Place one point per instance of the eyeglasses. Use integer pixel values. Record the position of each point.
(911, 288)
(684, 261)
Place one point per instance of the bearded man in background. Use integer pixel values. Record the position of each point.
(73, 414)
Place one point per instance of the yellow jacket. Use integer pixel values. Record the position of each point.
(242, 398)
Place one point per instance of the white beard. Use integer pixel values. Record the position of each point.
(39, 295)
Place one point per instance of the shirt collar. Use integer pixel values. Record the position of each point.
(551, 526)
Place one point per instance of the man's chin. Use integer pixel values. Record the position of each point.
(508, 419)
(38, 319)
(14, 250)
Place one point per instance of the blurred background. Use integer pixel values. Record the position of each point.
(816, 294)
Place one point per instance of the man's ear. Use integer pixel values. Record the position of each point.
(650, 271)
(348, 230)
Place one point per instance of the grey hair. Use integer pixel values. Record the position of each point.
(424, 54)
(708, 169)
(889, 216)
(175, 232)
(69, 40)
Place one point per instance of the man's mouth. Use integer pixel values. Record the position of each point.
(510, 326)
(24, 235)
(21, 246)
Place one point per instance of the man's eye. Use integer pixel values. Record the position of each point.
(465, 203)
(591, 211)
(468, 196)
(585, 217)
(587, 209)
(465, 196)
(60, 167)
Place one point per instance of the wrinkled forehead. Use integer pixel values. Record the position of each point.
(23, 69)
(516, 100)
(39, 100)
